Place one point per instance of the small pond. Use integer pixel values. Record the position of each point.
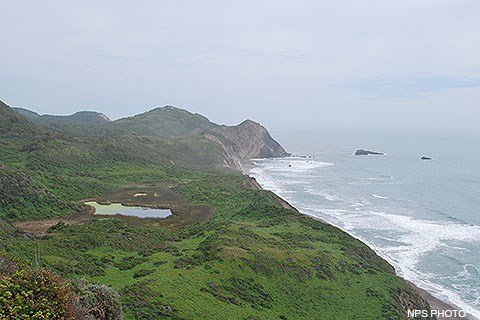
(117, 208)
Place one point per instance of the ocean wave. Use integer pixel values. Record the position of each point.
(379, 197)
(290, 165)
(418, 238)
(325, 195)
(401, 239)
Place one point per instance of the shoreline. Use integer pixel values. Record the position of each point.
(434, 302)
(438, 304)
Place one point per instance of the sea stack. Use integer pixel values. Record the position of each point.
(361, 152)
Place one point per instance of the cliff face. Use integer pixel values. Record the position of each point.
(248, 140)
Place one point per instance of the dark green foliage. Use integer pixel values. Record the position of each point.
(143, 302)
(165, 122)
(21, 198)
(38, 293)
(130, 262)
(321, 263)
(275, 268)
(367, 259)
(13, 124)
(142, 273)
(239, 292)
(27, 293)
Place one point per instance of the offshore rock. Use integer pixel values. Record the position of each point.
(361, 152)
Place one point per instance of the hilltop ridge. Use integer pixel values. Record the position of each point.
(85, 117)
(239, 143)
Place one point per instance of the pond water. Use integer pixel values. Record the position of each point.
(117, 208)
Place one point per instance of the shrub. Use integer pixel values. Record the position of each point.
(142, 273)
(28, 293)
(36, 294)
(99, 301)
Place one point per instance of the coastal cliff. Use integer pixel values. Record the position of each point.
(248, 140)
(239, 143)
(228, 246)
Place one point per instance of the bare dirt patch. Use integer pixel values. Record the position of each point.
(40, 227)
(159, 196)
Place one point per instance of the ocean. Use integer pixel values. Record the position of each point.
(421, 216)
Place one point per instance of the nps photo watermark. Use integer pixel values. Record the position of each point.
(437, 313)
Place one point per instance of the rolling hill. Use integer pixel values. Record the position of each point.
(230, 250)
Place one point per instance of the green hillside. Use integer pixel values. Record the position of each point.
(229, 250)
(11, 123)
(165, 122)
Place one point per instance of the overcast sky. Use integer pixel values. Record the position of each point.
(286, 64)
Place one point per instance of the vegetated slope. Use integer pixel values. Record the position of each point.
(85, 117)
(29, 114)
(239, 143)
(165, 122)
(82, 123)
(51, 163)
(13, 124)
(254, 259)
(21, 197)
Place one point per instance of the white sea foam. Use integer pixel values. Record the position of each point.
(414, 239)
(382, 179)
(290, 164)
(404, 240)
(379, 197)
(327, 196)
(417, 238)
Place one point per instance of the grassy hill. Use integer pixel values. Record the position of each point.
(166, 122)
(229, 251)
(13, 124)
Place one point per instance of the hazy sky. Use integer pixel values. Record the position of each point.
(286, 64)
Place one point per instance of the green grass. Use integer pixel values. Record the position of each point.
(254, 260)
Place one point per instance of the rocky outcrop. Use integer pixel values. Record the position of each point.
(246, 141)
(361, 152)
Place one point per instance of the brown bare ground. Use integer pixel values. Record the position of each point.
(153, 196)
